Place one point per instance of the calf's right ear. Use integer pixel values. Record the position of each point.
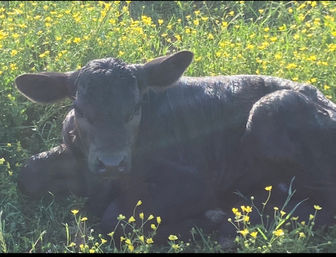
(46, 87)
(164, 71)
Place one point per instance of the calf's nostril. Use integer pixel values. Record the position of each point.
(103, 167)
(100, 165)
(122, 166)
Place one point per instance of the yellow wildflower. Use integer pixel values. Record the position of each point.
(14, 52)
(74, 212)
(313, 3)
(146, 20)
(283, 27)
(210, 36)
(317, 207)
(72, 244)
(172, 237)
(291, 66)
(76, 40)
(277, 56)
(234, 210)
(238, 214)
(254, 234)
(312, 58)
(130, 248)
(249, 46)
(244, 232)
(121, 217)
(44, 54)
(247, 209)
(224, 24)
(278, 232)
(13, 66)
(131, 219)
(268, 188)
(326, 87)
(175, 246)
(149, 240)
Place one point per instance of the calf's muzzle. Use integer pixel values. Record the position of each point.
(108, 166)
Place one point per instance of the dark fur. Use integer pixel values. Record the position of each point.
(198, 142)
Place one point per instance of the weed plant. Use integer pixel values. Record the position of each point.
(290, 39)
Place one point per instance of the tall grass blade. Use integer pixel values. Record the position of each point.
(3, 247)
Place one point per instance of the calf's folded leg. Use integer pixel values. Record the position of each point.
(56, 170)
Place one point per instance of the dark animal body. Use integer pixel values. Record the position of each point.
(182, 145)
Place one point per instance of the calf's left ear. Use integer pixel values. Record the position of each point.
(164, 71)
(46, 87)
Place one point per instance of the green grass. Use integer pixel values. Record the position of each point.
(294, 40)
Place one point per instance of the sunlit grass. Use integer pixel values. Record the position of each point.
(294, 40)
(280, 232)
(138, 235)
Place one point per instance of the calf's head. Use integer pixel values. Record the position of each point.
(106, 95)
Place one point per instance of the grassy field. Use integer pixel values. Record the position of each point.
(293, 40)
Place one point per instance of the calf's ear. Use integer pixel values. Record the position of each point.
(164, 71)
(46, 87)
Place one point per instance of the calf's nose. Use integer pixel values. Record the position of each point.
(105, 167)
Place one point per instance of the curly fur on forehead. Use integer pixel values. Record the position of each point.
(101, 72)
(108, 84)
(107, 65)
